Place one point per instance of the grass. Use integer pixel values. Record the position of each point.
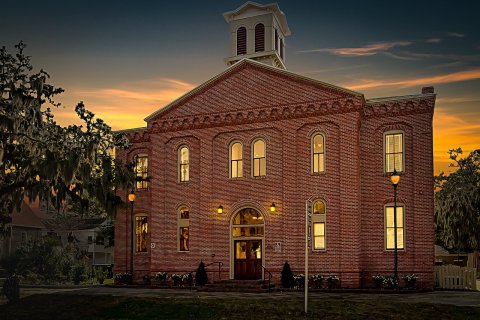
(70, 306)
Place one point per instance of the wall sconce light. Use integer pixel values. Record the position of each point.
(220, 209)
(272, 207)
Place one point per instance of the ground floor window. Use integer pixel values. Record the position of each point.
(390, 230)
(184, 237)
(319, 235)
(141, 232)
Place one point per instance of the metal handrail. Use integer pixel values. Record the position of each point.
(220, 264)
(269, 277)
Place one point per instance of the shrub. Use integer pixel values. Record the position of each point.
(146, 279)
(317, 280)
(410, 280)
(78, 273)
(378, 280)
(201, 277)
(333, 282)
(390, 282)
(287, 276)
(187, 279)
(161, 276)
(299, 280)
(11, 289)
(177, 279)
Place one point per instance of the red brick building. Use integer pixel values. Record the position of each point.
(233, 162)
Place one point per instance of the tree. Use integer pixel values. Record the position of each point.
(287, 276)
(457, 203)
(39, 158)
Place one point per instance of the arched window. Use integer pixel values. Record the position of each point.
(394, 145)
(183, 229)
(259, 158)
(241, 40)
(319, 225)
(236, 160)
(259, 37)
(390, 227)
(141, 233)
(318, 153)
(276, 39)
(183, 164)
(281, 48)
(141, 171)
(248, 223)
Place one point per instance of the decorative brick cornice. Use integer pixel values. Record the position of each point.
(310, 109)
(399, 106)
(138, 136)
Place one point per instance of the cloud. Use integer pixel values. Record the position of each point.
(455, 34)
(458, 100)
(123, 106)
(434, 40)
(368, 50)
(472, 74)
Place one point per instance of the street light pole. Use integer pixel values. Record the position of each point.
(395, 179)
(131, 198)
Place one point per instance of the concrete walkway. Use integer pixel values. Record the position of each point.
(459, 298)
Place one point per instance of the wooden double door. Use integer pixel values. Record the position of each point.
(248, 259)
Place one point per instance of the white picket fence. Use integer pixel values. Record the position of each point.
(455, 277)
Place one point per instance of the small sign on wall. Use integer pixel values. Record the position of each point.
(152, 245)
(277, 247)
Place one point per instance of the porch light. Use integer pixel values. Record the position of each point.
(132, 197)
(272, 207)
(395, 177)
(220, 209)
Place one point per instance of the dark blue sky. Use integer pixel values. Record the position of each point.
(127, 59)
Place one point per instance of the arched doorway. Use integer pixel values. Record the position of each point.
(247, 230)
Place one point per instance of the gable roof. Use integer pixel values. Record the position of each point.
(249, 77)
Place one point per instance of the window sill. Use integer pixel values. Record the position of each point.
(318, 173)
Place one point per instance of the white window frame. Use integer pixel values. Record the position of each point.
(179, 163)
(183, 223)
(253, 157)
(319, 218)
(230, 148)
(312, 154)
(391, 205)
(385, 134)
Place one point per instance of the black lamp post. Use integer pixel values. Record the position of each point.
(395, 179)
(131, 198)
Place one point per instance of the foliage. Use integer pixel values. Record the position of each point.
(11, 289)
(333, 282)
(457, 203)
(299, 280)
(108, 232)
(161, 276)
(410, 280)
(390, 282)
(378, 280)
(39, 158)
(317, 280)
(201, 277)
(78, 273)
(287, 276)
(123, 278)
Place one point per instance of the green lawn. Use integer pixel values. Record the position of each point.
(69, 306)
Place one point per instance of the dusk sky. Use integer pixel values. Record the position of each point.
(127, 59)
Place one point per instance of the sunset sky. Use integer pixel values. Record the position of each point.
(127, 59)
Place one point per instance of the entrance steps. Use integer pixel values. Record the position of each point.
(253, 286)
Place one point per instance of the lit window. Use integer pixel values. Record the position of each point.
(183, 229)
(241, 40)
(390, 230)
(141, 171)
(259, 37)
(141, 232)
(248, 223)
(183, 164)
(236, 160)
(318, 221)
(318, 153)
(259, 164)
(394, 151)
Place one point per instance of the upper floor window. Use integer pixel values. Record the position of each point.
(236, 160)
(390, 227)
(141, 232)
(394, 159)
(318, 153)
(259, 37)
(183, 229)
(276, 40)
(183, 164)
(281, 48)
(259, 158)
(141, 171)
(241, 40)
(319, 223)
